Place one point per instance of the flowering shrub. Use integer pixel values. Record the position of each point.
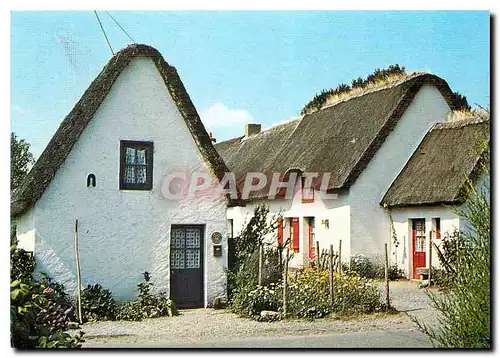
(262, 298)
(309, 294)
(147, 305)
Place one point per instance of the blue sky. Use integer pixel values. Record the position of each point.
(239, 67)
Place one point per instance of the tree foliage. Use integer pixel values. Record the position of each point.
(20, 160)
(244, 252)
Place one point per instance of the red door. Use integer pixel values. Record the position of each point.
(418, 235)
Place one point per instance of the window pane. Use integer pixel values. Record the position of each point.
(130, 156)
(192, 238)
(129, 175)
(179, 238)
(141, 174)
(177, 259)
(192, 258)
(141, 156)
(420, 243)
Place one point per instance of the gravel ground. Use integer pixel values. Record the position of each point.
(199, 325)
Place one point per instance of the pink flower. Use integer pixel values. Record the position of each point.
(48, 290)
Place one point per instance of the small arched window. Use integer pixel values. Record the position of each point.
(91, 180)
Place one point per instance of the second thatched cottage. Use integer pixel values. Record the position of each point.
(367, 153)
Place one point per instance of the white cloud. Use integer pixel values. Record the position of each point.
(218, 115)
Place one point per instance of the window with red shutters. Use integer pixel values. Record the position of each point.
(295, 234)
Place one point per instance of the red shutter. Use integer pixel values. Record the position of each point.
(280, 231)
(295, 234)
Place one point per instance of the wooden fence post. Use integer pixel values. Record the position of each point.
(285, 284)
(330, 254)
(318, 262)
(430, 258)
(340, 257)
(261, 247)
(78, 277)
(386, 266)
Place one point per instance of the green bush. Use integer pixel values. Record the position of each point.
(40, 311)
(367, 267)
(243, 276)
(22, 263)
(308, 295)
(395, 273)
(448, 254)
(147, 305)
(440, 277)
(250, 302)
(373, 268)
(97, 304)
(243, 257)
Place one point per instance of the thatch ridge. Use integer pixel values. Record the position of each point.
(391, 81)
(437, 171)
(42, 172)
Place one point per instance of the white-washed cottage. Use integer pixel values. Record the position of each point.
(360, 143)
(106, 166)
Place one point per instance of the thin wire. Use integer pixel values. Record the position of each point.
(104, 32)
(120, 26)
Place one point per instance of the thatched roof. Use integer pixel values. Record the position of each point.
(340, 139)
(437, 171)
(37, 180)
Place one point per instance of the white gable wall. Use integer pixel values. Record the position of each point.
(370, 227)
(123, 233)
(25, 231)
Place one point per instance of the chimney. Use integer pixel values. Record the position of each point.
(251, 129)
(212, 137)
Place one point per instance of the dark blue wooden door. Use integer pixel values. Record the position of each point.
(186, 265)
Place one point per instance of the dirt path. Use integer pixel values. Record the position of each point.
(203, 325)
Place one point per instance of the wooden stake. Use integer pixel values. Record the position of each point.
(430, 258)
(330, 255)
(318, 263)
(78, 277)
(285, 284)
(386, 267)
(340, 257)
(260, 264)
